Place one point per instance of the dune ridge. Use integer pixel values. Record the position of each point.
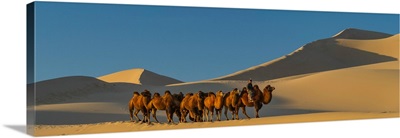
(353, 33)
(138, 76)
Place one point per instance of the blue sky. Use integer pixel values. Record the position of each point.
(184, 43)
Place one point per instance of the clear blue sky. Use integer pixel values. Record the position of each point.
(184, 43)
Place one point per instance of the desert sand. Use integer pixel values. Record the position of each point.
(352, 75)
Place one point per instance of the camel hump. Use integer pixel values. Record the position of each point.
(189, 94)
(256, 86)
(201, 94)
(167, 92)
(226, 95)
(143, 93)
(211, 94)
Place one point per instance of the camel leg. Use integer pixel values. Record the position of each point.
(183, 116)
(237, 113)
(144, 116)
(205, 114)
(200, 115)
(192, 116)
(170, 114)
(216, 115)
(257, 107)
(244, 112)
(208, 117)
(136, 115)
(148, 117)
(226, 113)
(233, 114)
(219, 112)
(154, 112)
(178, 114)
(131, 114)
(212, 114)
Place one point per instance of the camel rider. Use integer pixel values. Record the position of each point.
(250, 90)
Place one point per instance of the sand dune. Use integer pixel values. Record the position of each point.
(323, 55)
(353, 33)
(139, 76)
(330, 79)
(386, 46)
(61, 89)
(353, 89)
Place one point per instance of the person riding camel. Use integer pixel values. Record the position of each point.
(250, 90)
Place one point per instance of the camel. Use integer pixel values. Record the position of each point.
(259, 99)
(131, 105)
(194, 105)
(209, 106)
(231, 100)
(219, 104)
(138, 103)
(177, 102)
(165, 102)
(244, 101)
(182, 108)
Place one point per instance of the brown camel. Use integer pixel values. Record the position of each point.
(194, 105)
(231, 100)
(209, 106)
(259, 99)
(165, 102)
(177, 103)
(138, 103)
(244, 101)
(182, 108)
(131, 105)
(219, 104)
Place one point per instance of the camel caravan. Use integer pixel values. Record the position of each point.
(199, 106)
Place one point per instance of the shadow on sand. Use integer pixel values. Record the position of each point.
(18, 128)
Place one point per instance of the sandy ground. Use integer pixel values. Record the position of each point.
(125, 126)
(325, 80)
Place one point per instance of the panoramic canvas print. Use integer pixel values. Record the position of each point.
(99, 68)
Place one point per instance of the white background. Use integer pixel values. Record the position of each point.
(13, 73)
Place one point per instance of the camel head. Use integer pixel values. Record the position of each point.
(220, 93)
(200, 96)
(235, 95)
(269, 88)
(179, 96)
(156, 94)
(244, 89)
(146, 94)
